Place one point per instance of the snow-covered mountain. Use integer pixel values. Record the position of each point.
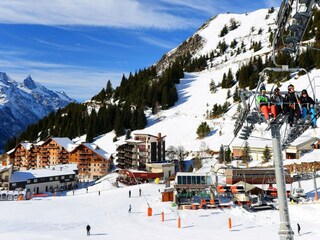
(180, 122)
(25, 103)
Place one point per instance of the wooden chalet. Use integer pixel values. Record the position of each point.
(24, 156)
(92, 161)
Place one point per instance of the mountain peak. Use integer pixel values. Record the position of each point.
(4, 77)
(29, 83)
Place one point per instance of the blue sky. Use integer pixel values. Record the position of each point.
(77, 45)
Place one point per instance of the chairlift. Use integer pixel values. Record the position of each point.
(249, 115)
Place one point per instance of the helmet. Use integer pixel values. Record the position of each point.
(290, 86)
(262, 88)
(304, 91)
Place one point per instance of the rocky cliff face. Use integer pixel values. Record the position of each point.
(190, 46)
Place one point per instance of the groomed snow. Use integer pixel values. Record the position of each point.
(66, 217)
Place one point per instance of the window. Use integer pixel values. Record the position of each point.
(193, 179)
(35, 180)
(184, 179)
(203, 180)
(179, 180)
(198, 179)
(62, 177)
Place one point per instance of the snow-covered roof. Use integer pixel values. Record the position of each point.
(95, 148)
(253, 142)
(134, 141)
(26, 145)
(5, 168)
(66, 143)
(70, 166)
(22, 176)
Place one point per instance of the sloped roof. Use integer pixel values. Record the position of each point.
(66, 143)
(27, 145)
(22, 176)
(95, 148)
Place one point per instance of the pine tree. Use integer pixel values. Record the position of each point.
(128, 134)
(236, 95)
(91, 129)
(228, 94)
(227, 156)
(246, 153)
(197, 163)
(118, 125)
(109, 89)
(203, 130)
(141, 120)
(213, 86)
(221, 154)
(233, 24)
(266, 154)
(224, 31)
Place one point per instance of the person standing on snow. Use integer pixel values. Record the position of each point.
(299, 228)
(88, 229)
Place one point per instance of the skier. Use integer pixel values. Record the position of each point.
(307, 104)
(266, 107)
(129, 211)
(277, 99)
(129, 193)
(88, 229)
(293, 101)
(299, 228)
(139, 191)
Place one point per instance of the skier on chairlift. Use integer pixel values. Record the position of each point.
(307, 104)
(277, 99)
(292, 100)
(266, 107)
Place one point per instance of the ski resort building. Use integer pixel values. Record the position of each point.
(25, 156)
(140, 150)
(5, 173)
(92, 161)
(253, 175)
(167, 169)
(189, 186)
(55, 178)
(293, 151)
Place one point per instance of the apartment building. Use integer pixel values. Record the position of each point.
(140, 150)
(92, 161)
(24, 156)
